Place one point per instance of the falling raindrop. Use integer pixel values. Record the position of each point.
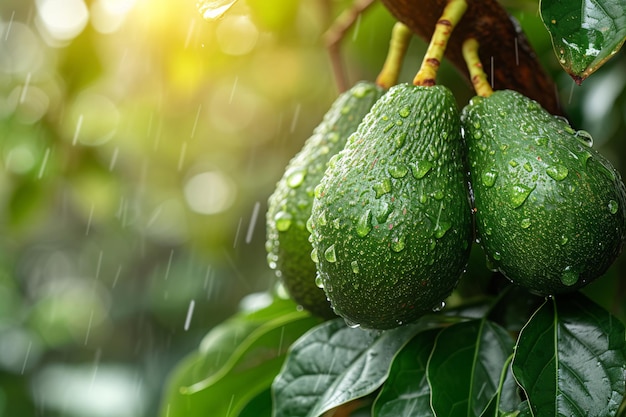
(192, 304)
(253, 219)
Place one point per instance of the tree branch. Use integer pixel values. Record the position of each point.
(504, 49)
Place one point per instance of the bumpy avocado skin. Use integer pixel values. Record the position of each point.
(391, 222)
(289, 207)
(550, 210)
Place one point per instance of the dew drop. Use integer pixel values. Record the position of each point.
(420, 168)
(557, 172)
(525, 223)
(337, 224)
(351, 324)
(477, 134)
(398, 243)
(355, 267)
(613, 206)
(513, 163)
(295, 177)
(384, 212)
(497, 256)
(518, 194)
(400, 140)
(423, 198)
(364, 224)
(438, 195)
(528, 167)
(569, 277)
(314, 256)
(398, 170)
(404, 112)
(439, 307)
(318, 281)
(330, 254)
(489, 178)
(383, 187)
(283, 221)
(476, 124)
(441, 228)
(584, 137)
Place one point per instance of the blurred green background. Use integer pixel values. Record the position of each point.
(139, 143)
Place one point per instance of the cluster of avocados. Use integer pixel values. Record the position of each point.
(374, 218)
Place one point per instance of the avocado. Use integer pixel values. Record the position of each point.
(391, 222)
(550, 210)
(289, 207)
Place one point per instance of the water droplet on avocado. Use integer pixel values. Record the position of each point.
(525, 223)
(383, 187)
(282, 221)
(319, 191)
(314, 256)
(477, 134)
(569, 277)
(398, 243)
(351, 324)
(557, 172)
(345, 109)
(404, 112)
(441, 228)
(364, 224)
(497, 256)
(295, 177)
(330, 254)
(513, 163)
(361, 90)
(309, 225)
(584, 137)
(333, 137)
(355, 267)
(542, 141)
(322, 218)
(563, 240)
(384, 211)
(519, 193)
(318, 281)
(333, 160)
(398, 170)
(489, 178)
(420, 168)
(476, 124)
(613, 206)
(439, 307)
(438, 195)
(528, 167)
(400, 139)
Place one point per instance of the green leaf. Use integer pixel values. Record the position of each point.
(507, 399)
(406, 392)
(465, 367)
(585, 34)
(236, 361)
(334, 364)
(259, 406)
(570, 359)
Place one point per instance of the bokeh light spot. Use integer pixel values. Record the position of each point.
(210, 192)
(63, 19)
(237, 35)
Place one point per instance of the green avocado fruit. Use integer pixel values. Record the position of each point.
(550, 210)
(391, 221)
(289, 207)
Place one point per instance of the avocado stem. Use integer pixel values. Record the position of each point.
(399, 43)
(452, 14)
(475, 68)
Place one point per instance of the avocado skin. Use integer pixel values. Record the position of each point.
(550, 210)
(289, 207)
(391, 222)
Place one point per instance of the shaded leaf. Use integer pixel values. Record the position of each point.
(334, 364)
(236, 361)
(259, 406)
(585, 34)
(465, 367)
(570, 359)
(406, 392)
(507, 399)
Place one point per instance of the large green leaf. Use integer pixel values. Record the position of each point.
(570, 359)
(585, 33)
(465, 367)
(406, 392)
(236, 361)
(334, 364)
(507, 399)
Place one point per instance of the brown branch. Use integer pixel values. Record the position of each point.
(502, 44)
